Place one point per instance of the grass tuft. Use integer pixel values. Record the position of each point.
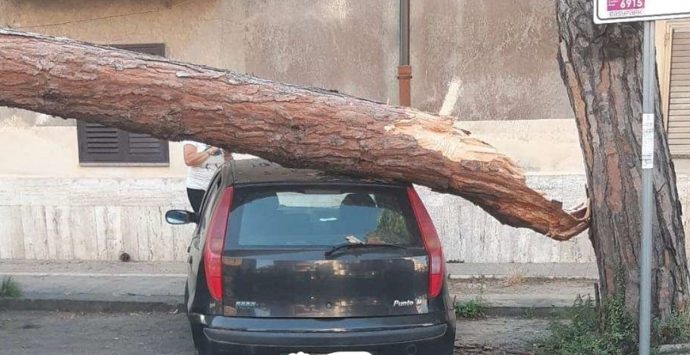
(9, 288)
(610, 330)
(588, 331)
(472, 309)
(673, 330)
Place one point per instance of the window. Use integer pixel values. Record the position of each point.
(99, 144)
(317, 216)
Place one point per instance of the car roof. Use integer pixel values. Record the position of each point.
(250, 171)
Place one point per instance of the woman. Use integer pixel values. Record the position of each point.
(203, 160)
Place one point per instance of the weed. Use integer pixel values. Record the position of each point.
(588, 331)
(472, 309)
(529, 313)
(9, 288)
(674, 329)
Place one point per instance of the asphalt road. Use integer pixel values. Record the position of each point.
(38, 333)
(97, 333)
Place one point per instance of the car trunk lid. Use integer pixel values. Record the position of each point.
(276, 261)
(304, 284)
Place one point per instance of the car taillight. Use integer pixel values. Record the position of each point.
(431, 243)
(213, 247)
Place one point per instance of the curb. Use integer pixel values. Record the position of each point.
(526, 312)
(102, 306)
(675, 348)
(500, 277)
(87, 306)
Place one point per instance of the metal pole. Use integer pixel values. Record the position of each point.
(404, 32)
(404, 69)
(648, 113)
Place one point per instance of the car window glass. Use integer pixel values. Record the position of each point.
(296, 216)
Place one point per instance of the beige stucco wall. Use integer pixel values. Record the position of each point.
(190, 31)
(51, 150)
(496, 59)
(467, 55)
(326, 44)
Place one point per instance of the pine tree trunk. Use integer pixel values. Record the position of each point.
(601, 66)
(297, 127)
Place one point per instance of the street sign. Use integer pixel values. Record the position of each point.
(610, 11)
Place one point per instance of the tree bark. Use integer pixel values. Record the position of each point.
(601, 66)
(290, 125)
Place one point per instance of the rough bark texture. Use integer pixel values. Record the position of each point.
(297, 127)
(602, 69)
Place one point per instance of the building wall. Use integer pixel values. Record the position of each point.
(475, 60)
(477, 67)
(47, 147)
(487, 59)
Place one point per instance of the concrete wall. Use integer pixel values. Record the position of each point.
(91, 218)
(97, 218)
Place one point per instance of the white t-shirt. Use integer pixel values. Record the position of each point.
(198, 177)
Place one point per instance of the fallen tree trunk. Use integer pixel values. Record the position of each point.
(293, 126)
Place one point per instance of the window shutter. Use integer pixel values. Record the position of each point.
(101, 144)
(143, 148)
(679, 95)
(98, 144)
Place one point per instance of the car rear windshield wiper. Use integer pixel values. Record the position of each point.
(348, 245)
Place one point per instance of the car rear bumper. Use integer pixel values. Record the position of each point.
(377, 336)
(336, 339)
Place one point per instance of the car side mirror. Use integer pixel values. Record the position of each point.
(180, 217)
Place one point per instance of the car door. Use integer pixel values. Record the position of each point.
(196, 245)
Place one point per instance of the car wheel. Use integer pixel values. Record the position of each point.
(201, 344)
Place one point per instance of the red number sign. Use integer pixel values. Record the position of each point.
(616, 5)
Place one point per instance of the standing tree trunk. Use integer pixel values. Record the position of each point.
(297, 127)
(601, 66)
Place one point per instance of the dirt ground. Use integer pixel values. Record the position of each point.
(161, 333)
(498, 336)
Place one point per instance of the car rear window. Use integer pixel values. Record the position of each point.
(315, 216)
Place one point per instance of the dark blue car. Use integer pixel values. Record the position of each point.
(289, 260)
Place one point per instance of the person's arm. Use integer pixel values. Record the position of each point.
(192, 157)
